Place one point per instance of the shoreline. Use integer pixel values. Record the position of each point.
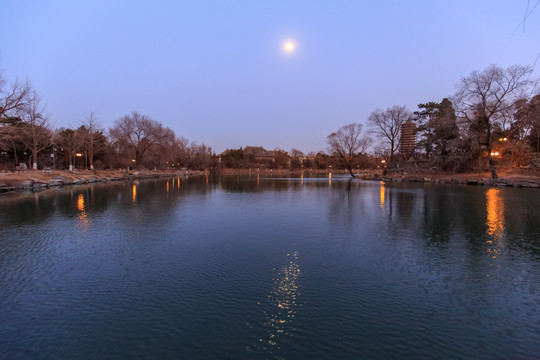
(475, 179)
(507, 178)
(37, 180)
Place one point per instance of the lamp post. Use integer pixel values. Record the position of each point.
(77, 155)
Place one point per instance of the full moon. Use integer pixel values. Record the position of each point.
(288, 46)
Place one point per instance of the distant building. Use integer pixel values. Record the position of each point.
(408, 138)
(259, 153)
(256, 156)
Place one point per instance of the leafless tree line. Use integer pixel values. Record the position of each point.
(490, 120)
(23, 119)
(491, 117)
(135, 140)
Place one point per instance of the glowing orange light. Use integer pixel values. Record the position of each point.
(84, 221)
(80, 202)
(495, 215)
(495, 221)
(382, 191)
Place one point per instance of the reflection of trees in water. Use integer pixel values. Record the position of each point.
(440, 211)
(25, 208)
(401, 208)
(148, 200)
(435, 214)
(521, 214)
(348, 205)
(28, 207)
(445, 214)
(258, 183)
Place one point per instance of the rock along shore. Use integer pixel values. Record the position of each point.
(37, 179)
(518, 181)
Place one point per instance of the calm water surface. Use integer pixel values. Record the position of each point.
(259, 268)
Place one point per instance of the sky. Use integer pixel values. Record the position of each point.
(216, 71)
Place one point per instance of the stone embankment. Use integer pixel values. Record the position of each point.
(38, 180)
(463, 179)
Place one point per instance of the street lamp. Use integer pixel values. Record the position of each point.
(53, 157)
(74, 163)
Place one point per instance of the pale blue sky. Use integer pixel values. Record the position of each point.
(215, 72)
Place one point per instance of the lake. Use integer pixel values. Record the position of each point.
(270, 268)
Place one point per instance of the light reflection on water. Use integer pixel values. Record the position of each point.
(84, 220)
(495, 213)
(494, 222)
(283, 302)
(382, 191)
(172, 275)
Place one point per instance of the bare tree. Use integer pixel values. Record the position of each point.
(11, 136)
(68, 142)
(93, 138)
(297, 159)
(486, 99)
(348, 144)
(135, 133)
(36, 132)
(162, 151)
(14, 97)
(387, 124)
(191, 156)
(296, 153)
(199, 156)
